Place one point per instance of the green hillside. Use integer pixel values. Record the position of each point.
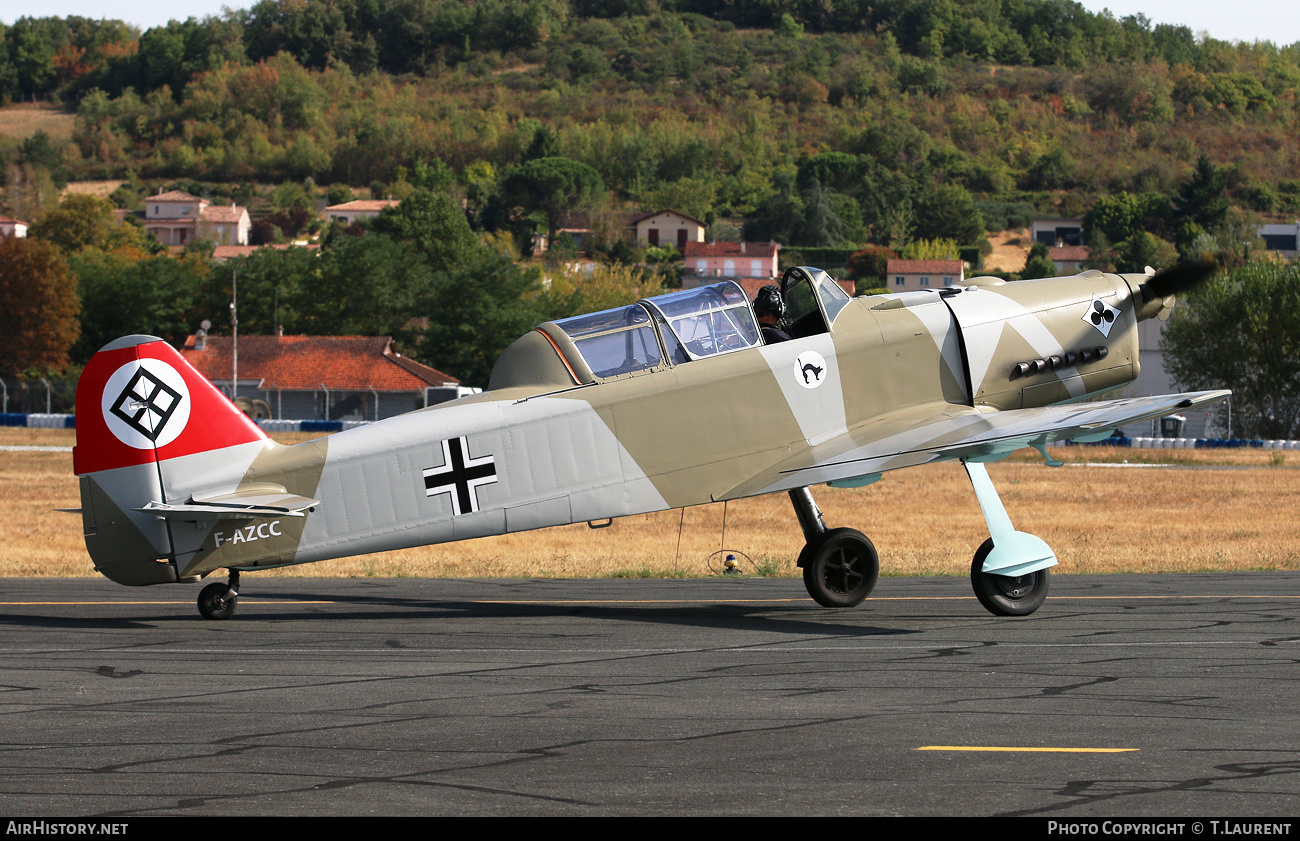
(825, 125)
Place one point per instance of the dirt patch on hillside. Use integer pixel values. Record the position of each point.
(101, 189)
(1010, 250)
(25, 119)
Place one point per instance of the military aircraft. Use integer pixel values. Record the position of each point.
(669, 402)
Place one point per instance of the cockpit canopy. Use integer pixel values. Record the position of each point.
(675, 328)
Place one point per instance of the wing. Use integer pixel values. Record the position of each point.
(935, 433)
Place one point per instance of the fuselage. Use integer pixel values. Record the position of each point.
(555, 442)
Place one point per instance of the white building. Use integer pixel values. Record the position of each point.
(357, 211)
(668, 227)
(177, 218)
(11, 227)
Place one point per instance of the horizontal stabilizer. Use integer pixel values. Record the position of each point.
(246, 504)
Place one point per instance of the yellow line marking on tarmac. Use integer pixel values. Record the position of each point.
(1029, 750)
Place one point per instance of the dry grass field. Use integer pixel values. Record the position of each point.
(1215, 510)
(1010, 250)
(24, 119)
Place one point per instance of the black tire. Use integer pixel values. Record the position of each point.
(840, 568)
(213, 602)
(1005, 595)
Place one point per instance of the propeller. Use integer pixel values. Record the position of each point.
(1183, 277)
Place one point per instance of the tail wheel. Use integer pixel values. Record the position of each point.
(1006, 595)
(215, 603)
(840, 568)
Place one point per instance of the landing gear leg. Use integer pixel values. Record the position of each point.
(217, 600)
(1009, 571)
(840, 566)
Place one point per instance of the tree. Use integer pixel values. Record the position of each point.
(84, 221)
(435, 226)
(1202, 197)
(475, 314)
(555, 186)
(38, 307)
(1039, 263)
(821, 225)
(157, 296)
(949, 212)
(869, 266)
(930, 249)
(396, 292)
(274, 283)
(1241, 331)
(1143, 249)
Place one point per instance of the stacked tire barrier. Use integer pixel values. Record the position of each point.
(1188, 443)
(70, 422)
(42, 421)
(309, 425)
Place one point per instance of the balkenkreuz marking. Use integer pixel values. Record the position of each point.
(460, 476)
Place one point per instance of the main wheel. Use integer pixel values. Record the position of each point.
(1006, 595)
(840, 568)
(214, 603)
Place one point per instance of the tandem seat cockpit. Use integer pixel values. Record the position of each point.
(655, 333)
(672, 329)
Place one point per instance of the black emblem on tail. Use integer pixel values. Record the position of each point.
(816, 372)
(146, 404)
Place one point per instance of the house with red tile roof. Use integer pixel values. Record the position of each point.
(1068, 259)
(222, 253)
(320, 377)
(917, 275)
(178, 218)
(357, 211)
(710, 262)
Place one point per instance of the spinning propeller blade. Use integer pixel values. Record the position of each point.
(1183, 277)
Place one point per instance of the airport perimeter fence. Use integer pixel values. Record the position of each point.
(57, 421)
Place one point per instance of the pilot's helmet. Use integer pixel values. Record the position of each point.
(768, 301)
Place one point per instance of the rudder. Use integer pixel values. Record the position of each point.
(140, 408)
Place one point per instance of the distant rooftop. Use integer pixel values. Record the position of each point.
(304, 363)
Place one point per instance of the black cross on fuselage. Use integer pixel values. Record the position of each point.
(460, 476)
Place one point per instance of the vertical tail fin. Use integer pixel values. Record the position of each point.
(139, 402)
(148, 427)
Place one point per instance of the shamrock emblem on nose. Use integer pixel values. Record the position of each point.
(1101, 315)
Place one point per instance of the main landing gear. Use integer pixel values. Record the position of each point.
(1009, 572)
(840, 566)
(217, 600)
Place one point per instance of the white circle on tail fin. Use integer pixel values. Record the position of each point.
(146, 404)
(810, 369)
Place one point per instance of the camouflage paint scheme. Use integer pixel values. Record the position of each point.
(177, 483)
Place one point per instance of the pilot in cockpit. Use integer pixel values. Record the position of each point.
(769, 307)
